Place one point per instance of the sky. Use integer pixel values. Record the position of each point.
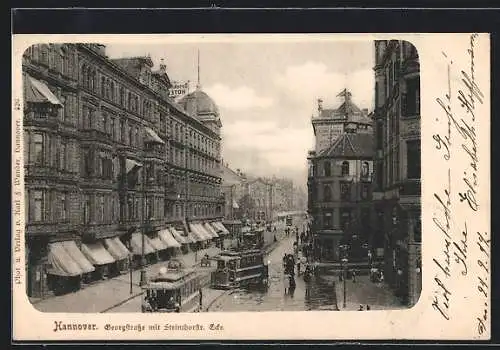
(267, 92)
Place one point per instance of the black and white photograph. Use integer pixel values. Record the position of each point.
(232, 176)
(165, 178)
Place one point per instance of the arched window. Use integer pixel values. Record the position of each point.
(327, 193)
(327, 168)
(345, 168)
(365, 169)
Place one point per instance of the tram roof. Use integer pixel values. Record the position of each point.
(236, 254)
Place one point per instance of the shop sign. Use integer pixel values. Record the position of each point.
(178, 89)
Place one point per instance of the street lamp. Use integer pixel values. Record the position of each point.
(344, 272)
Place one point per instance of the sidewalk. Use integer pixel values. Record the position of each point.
(378, 295)
(103, 295)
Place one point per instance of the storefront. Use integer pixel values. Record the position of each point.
(173, 247)
(326, 245)
(120, 253)
(66, 267)
(99, 257)
(160, 248)
(139, 249)
(184, 240)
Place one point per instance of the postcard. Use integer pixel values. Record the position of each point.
(211, 187)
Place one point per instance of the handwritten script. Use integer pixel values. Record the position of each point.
(458, 145)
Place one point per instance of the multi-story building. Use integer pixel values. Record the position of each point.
(232, 188)
(330, 123)
(339, 186)
(397, 164)
(109, 155)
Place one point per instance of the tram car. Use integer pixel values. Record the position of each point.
(253, 238)
(240, 269)
(173, 289)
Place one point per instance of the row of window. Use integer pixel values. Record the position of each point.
(57, 57)
(345, 218)
(43, 205)
(194, 139)
(345, 170)
(345, 191)
(51, 206)
(50, 150)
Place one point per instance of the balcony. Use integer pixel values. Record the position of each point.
(96, 135)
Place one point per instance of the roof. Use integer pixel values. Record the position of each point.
(198, 102)
(230, 177)
(350, 145)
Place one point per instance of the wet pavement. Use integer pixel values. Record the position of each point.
(314, 295)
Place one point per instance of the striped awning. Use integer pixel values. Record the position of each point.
(97, 254)
(179, 237)
(136, 243)
(38, 92)
(167, 238)
(152, 136)
(211, 230)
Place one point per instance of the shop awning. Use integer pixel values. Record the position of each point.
(179, 237)
(136, 243)
(61, 263)
(158, 244)
(204, 232)
(116, 248)
(196, 234)
(210, 229)
(168, 239)
(97, 254)
(220, 227)
(152, 136)
(78, 256)
(130, 164)
(193, 238)
(39, 92)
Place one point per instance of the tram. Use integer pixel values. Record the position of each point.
(173, 289)
(252, 238)
(240, 269)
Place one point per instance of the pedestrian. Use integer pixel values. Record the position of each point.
(286, 283)
(381, 278)
(368, 307)
(360, 307)
(353, 276)
(298, 267)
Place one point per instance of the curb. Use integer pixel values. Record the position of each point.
(121, 302)
(205, 309)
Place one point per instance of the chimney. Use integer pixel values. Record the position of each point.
(163, 66)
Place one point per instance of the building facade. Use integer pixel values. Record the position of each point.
(330, 123)
(397, 187)
(339, 185)
(108, 153)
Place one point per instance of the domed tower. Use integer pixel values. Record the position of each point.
(202, 107)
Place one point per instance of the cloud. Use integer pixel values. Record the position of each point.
(240, 98)
(303, 84)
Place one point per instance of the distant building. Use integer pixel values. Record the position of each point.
(397, 183)
(233, 188)
(339, 186)
(330, 123)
